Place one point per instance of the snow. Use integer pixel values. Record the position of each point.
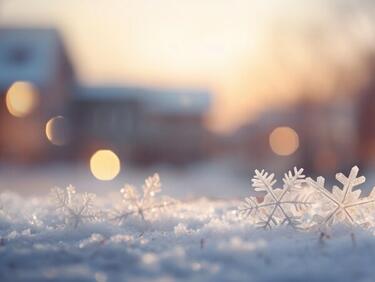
(197, 240)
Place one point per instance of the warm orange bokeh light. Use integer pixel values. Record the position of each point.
(56, 131)
(22, 98)
(105, 165)
(284, 141)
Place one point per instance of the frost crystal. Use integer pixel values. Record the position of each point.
(343, 205)
(75, 208)
(148, 203)
(279, 206)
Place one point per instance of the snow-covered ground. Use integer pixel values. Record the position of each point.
(194, 239)
(197, 240)
(201, 240)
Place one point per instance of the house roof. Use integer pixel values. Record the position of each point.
(177, 101)
(31, 54)
(106, 92)
(154, 100)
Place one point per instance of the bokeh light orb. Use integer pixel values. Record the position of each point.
(57, 131)
(22, 98)
(284, 141)
(105, 165)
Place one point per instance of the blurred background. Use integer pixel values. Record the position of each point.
(97, 93)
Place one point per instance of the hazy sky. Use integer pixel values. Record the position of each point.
(252, 54)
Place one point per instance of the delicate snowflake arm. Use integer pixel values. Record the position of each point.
(119, 217)
(263, 182)
(291, 197)
(130, 197)
(250, 206)
(151, 186)
(293, 180)
(301, 199)
(370, 199)
(131, 203)
(279, 206)
(75, 208)
(134, 204)
(87, 206)
(349, 183)
(296, 195)
(343, 204)
(62, 199)
(319, 186)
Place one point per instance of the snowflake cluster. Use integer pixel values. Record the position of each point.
(300, 202)
(280, 205)
(76, 208)
(304, 203)
(142, 205)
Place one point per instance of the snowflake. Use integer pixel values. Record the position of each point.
(279, 206)
(343, 205)
(148, 203)
(75, 208)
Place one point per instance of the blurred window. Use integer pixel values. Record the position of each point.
(19, 55)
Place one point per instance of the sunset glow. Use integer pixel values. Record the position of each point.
(250, 54)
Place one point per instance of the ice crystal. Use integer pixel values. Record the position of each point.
(343, 205)
(280, 205)
(74, 207)
(133, 203)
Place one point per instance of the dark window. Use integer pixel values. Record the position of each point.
(19, 55)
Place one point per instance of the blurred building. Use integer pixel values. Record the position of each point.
(172, 126)
(43, 107)
(141, 124)
(105, 117)
(36, 69)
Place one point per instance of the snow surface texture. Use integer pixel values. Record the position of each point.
(71, 236)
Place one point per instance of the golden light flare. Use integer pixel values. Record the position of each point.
(284, 141)
(56, 131)
(105, 165)
(22, 98)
